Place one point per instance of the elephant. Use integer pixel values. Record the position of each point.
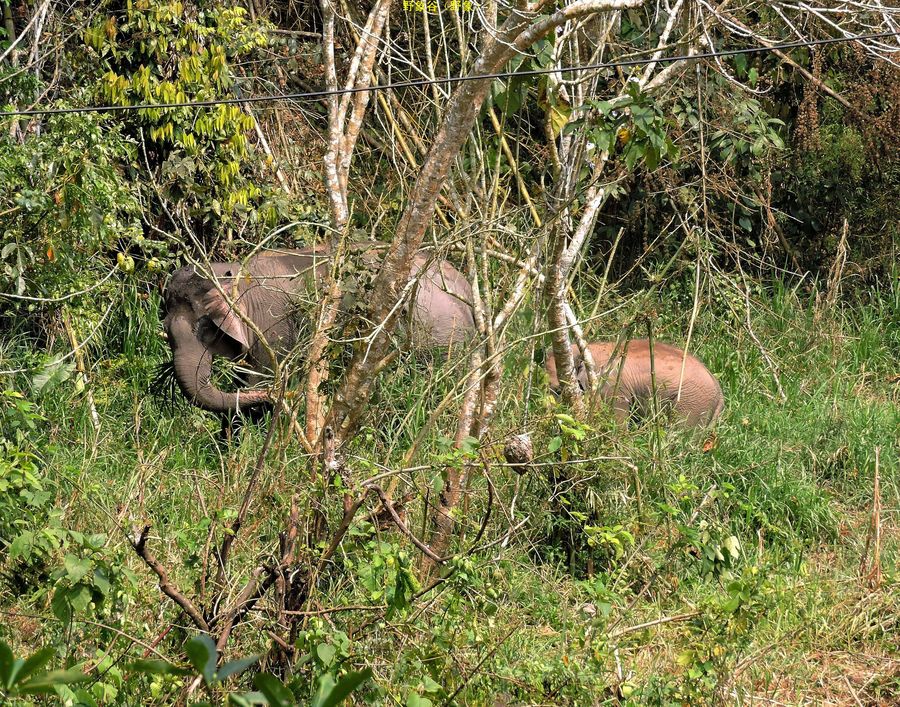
(200, 324)
(630, 390)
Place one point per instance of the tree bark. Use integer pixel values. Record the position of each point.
(514, 35)
(345, 119)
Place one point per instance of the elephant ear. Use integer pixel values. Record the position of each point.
(581, 375)
(224, 317)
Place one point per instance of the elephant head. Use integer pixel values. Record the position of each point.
(205, 317)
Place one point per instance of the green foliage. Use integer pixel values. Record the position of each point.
(88, 580)
(571, 432)
(69, 202)
(26, 676)
(834, 180)
(29, 524)
(333, 692)
(719, 634)
(171, 52)
(637, 123)
(614, 539)
(204, 657)
(750, 137)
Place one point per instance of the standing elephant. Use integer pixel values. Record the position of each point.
(200, 324)
(624, 380)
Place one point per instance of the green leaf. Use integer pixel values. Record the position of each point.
(247, 699)
(96, 541)
(554, 444)
(101, 582)
(60, 606)
(732, 605)
(342, 690)
(46, 682)
(201, 651)
(7, 664)
(157, 667)
(33, 664)
(632, 153)
(415, 700)
(430, 685)
(559, 116)
(76, 567)
(22, 545)
(733, 545)
(642, 117)
(79, 597)
(56, 371)
(275, 691)
(469, 445)
(236, 666)
(326, 653)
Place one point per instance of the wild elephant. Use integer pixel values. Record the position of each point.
(624, 380)
(200, 323)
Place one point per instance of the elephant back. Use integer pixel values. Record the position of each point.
(442, 315)
(627, 379)
(680, 379)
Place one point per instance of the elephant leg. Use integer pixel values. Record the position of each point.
(619, 400)
(622, 408)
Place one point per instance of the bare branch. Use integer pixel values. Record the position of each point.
(386, 502)
(165, 585)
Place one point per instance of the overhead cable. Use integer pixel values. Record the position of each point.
(450, 80)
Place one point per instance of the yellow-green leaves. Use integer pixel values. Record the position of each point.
(157, 52)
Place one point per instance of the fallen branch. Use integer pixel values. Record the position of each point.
(165, 585)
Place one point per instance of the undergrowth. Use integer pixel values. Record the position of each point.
(652, 568)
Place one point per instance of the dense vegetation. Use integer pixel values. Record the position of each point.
(744, 207)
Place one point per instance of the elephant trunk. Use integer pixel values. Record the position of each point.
(193, 368)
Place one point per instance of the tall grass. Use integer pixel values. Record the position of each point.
(769, 511)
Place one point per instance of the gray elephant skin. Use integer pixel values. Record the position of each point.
(269, 289)
(624, 380)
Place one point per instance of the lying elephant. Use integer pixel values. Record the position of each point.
(630, 390)
(200, 324)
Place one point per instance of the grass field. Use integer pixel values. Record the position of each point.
(738, 568)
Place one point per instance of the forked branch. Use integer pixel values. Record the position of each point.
(165, 584)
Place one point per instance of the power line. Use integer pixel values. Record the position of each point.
(450, 80)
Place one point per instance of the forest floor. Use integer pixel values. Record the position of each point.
(740, 568)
